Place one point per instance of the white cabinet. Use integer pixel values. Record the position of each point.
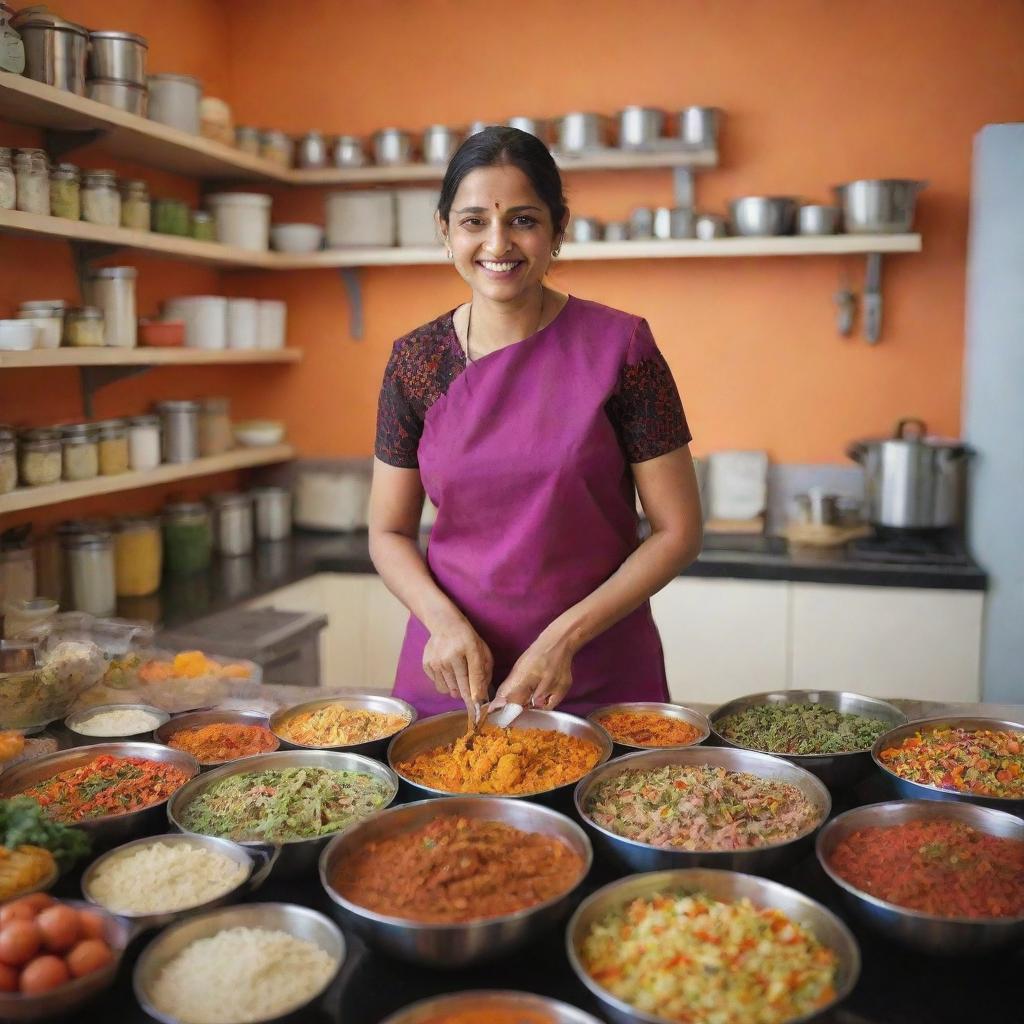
(887, 641)
(386, 619)
(722, 638)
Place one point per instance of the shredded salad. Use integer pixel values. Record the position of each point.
(801, 729)
(692, 958)
(279, 805)
(987, 762)
(700, 807)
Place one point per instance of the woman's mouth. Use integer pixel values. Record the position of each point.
(501, 269)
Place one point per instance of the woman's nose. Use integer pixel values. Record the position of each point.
(498, 240)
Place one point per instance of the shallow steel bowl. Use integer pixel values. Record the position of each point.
(835, 770)
(296, 857)
(429, 1011)
(197, 719)
(256, 863)
(762, 860)
(953, 936)
(684, 714)
(301, 922)
(722, 885)
(762, 216)
(440, 730)
(359, 701)
(78, 718)
(918, 790)
(68, 998)
(453, 945)
(110, 829)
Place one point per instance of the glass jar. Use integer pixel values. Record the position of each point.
(113, 447)
(276, 147)
(101, 202)
(138, 556)
(144, 443)
(48, 317)
(135, 208)
(8, 465)
(32, 177)
(247, 139)
(202, 227)
(66, 192)
(27, 613)
(91, 569)
(188, 538)
(170, 217)
(112, 291)
(179, 424)
(39, 457)
(232, 523)
(215, 436)
(80, 451)
(8, 183)
(83, 327)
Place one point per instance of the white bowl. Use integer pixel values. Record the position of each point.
(296, 237)
(259, 433)
(17, 335)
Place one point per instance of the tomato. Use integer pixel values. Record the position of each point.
(61, 928)
(43, 974)
(88, 956)
(19, 942)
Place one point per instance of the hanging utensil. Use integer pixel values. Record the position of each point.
(873, 299)
(845, 305)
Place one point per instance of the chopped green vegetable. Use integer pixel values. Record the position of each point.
(801, 729)
(23, 823)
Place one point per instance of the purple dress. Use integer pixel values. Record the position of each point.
(526, 453)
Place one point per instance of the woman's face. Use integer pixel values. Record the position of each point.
(500, 233)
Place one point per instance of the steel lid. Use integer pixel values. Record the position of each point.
(115, 34)
(40, 17)
(114, 273)
(168, 77)
(229, 499)
(178, 405)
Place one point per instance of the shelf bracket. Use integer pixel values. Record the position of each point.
(873, 299)
(354, 290)
(682, 186)
(84, 255)
(92, 378)
(59, 143)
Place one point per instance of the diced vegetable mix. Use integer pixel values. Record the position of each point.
(801, 729)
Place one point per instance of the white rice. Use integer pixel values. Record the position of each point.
(160, 877)
(125, 722)
(241, 975)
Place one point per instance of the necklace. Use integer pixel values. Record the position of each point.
(469, 323)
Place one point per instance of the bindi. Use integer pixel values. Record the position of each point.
(497, 206)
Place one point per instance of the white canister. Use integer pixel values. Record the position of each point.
(271, 320)
(243, 323)
(174, 101)
(112, 290)
(144, 442)
(416, 208)
(360, 217)
(205, 318)
(242, 219)
(49, 327)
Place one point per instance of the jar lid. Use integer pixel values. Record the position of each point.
(168, 77)
(85, 313)
(128, 523)
(44, 304)
(40, 434)
(80, 430)
(225, 499)
(170, 204)
(64, 171)
(201, 217)
(28, 151)
(87, 540)
(178, 405)
(273, 135)
(100, 177)
(73, 526)
(269, 491)
(214, 404)
(245, 129)
(112, 34)
(133, 185)
(144, 421)
(184, 508)
(40, 17)
(114, 273)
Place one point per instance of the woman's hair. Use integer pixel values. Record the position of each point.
(499, 145)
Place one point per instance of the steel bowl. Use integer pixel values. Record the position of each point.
(835, 770)
(881, 206)
(296, 857)
(580, 133)
(463, 944)
(300, 922)
(585, 229)
(257, 863)
(929, 933)
(73, 721)
(429, 733)
(347, 151)
(640, 128)
(761, 860)
(531, 125)
(110, 829)
(698, 127)
(817, 219)
(918, 790)
(430, 1011)
(708, 226)
(64, 1001)
(439, 144)
(392, 147)
(360, 702)
(722, 885)
(684, 714)
(762, 216)
(197, 719)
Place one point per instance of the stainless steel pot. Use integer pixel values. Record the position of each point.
(912, 481)
(815, 219)
(674, 222)
(882, 206)
(578, 133)
(55, 49)
(710, 225)
(348, 151)
(392, 146)
(118, 55)
(123, 95)
(698, 127)
(439, 144)
(762, 216)
(641, 222)
(640, 127)
(585, 229)
(532, 125)
(311, 153)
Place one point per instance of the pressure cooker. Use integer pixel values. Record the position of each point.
(913, 481)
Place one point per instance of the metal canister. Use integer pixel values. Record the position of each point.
(311, 152)
(641, 222)
(179, 422)
(439, 144)
(392, 146)
(674, 222)
(640, 127)
(273, 512)
(698, 127)
(348, 151)
(55, 49)
(232, 523)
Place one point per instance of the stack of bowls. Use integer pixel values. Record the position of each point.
(117, 71)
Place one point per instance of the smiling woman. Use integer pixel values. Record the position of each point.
(530, 418)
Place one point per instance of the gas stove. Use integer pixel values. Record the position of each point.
(911, 547)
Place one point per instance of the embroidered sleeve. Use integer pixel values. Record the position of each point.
(399, 418)
(645, 409)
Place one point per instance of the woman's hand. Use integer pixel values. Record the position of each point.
(458, 661)
(542, 675)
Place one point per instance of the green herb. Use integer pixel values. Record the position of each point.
(801, 729)
(23, 823)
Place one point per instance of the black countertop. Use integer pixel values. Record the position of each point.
(232, 581)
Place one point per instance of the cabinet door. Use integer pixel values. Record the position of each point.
(306, 595)
(887, 641)
(345, 663)
(722, 638)
(387, 618)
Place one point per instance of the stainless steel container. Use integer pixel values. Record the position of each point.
(439, 144)
(84, 739)
(179, 430)
(585, 229)
(641, 222)
(348, 151)
(118, 55)
(90, 560)
(531, 125)
(674, 222)
(616, 231)
(816, 219)
(674, 711)
(311, 151)
(698, 127)
(124, 95)
(640, 127)
(531, 1007)
(174, 101)
(881, 206)
(198, 719)
(580, 133)
(55, 49)
(377, 748)
(233, 532)
(273, 512)
(913, 481)
(391, 147)
(707, 226)
(762, 216)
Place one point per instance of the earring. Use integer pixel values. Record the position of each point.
(555, 252)
(448, 252)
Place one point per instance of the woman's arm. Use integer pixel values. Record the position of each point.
(667, 486)
(455, 657)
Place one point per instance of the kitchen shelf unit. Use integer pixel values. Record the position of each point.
(23, 498)
(144, 357)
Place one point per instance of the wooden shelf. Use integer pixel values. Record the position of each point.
(52, 494)
(145, 357)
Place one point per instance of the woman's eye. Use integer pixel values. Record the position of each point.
(472, 222)
(524, 221)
